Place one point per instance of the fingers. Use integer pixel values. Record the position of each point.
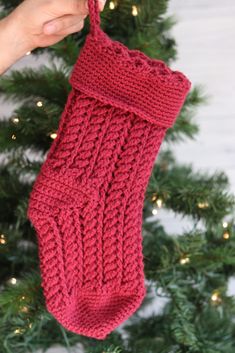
(72, 29)
(72, 22)
(63, 25)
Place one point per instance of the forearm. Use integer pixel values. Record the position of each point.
(12, 44)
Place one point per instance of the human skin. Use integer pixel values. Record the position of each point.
(39, 23)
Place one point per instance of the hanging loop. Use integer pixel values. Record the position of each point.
(94, 14)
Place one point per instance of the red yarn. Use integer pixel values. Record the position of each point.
(87, 201)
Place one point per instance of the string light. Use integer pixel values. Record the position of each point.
(13, 280)
(184, 260)
(39, 104)
(226, 235)
(24, 309)
(134, 10)
(13, 137)
(15, 120)
(154, 197)
(225, 224)
(18, 331)
(154, 211)
(203, 205)
(159, 203)
(53, 135)
(112, 5)
(2, 239)
(215, 297)
(157, 200)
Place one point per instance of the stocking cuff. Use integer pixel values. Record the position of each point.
(128, 79)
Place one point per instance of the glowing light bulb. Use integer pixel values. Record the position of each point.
(15, 120)
(225, 224)
(24, 309)
(226, 235)
(203, 204)
(2, 239)
(13, 280)
(134, 10)
(39, 104)
(159, 203)
(184, 260)
(13, 137)
(154, 211)
(112, 5)
(53, 135)
(216, 297)
(154, 197)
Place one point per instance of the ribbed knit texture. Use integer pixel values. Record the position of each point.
(87, 201)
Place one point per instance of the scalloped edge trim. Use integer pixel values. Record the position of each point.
(144, 64)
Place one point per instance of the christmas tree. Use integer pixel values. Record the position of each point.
(189, 270)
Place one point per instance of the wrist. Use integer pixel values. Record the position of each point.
(13, 44)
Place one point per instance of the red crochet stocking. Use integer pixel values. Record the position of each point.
(87, 201)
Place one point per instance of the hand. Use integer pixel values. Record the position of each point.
(43, 23)
(39, 23)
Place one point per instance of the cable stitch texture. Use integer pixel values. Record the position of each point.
(87, 201)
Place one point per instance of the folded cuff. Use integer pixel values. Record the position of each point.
(128, 79)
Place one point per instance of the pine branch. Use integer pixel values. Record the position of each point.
(29, 84)
(195, 194)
